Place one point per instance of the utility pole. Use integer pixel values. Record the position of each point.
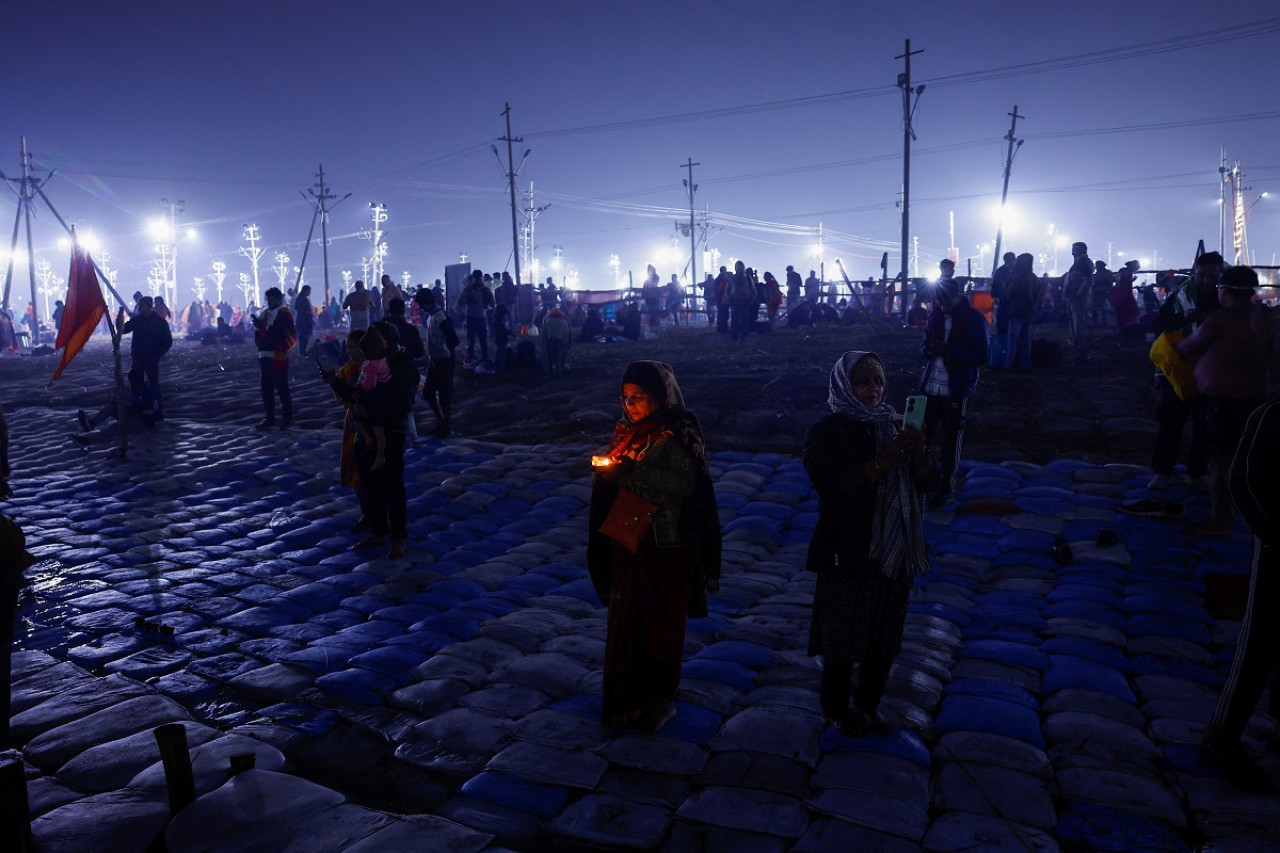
(26, 189)
(321, 200)
(908, 133)
(511, 185)
(531, 217)
(254, 254)
(1014, 144)
(693, 233)
(1222, 203)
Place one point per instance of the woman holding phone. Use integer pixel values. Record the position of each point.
(868, 545)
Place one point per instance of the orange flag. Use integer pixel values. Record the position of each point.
(84, 309)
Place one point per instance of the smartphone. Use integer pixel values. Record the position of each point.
(913, 413)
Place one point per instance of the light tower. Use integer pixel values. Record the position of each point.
(219, 275)
(254, 253)
(281, 269)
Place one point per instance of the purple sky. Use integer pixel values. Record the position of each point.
(231, 106)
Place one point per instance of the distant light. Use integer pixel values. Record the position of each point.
(161, 230)
(192, 234)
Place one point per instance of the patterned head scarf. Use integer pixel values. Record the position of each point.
(897, 527)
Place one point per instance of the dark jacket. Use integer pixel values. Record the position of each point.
(151, 336)
(967, 341)
(835, 451)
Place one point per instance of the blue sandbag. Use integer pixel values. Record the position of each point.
(504, 789)
(1069, 671)
(960, 713)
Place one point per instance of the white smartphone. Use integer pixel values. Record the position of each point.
(913, 413)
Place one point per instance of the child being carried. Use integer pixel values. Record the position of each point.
(373, 373)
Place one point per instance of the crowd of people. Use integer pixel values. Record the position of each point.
(654, 537)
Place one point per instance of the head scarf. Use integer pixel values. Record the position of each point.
(633, 438)
(897, 526)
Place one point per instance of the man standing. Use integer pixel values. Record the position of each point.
(440, 343)
(390, 291)
(1077, 285)
(1183, 312)
(275, 336)
(1254, 488)
(722, 300)
(955, 342)
(742, 303)
(1023, 294)
(999, 292)
(151, 340)
(359, 303)
(812, 287)
(304, 317)
(794, 284)
(1233, 348)
(476, 300)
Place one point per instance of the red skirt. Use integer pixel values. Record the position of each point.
(644, 647)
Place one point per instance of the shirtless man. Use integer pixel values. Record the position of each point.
(1233, 346)
(359, 302)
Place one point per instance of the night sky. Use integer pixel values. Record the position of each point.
(791, 110)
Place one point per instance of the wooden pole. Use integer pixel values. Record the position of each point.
(172, 740)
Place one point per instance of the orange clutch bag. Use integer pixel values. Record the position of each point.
(629, 520)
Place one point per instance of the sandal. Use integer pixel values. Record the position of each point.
(873, 722)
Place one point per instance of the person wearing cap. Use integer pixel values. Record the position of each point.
(275, 336)
(1077, 285)
(955, 343)
(1232, 350)
(151, 340)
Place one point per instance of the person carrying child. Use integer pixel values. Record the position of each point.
(373, 373)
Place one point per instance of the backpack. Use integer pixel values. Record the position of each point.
(741, 289)
(451, 338)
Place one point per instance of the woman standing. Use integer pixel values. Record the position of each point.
(869, 541)
(657, 454)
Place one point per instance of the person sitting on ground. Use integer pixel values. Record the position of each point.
(801, 314)
(918, 316)
(1233, 348)
(373, 372)
(592, 326)
(141, 412)
(626, 323)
